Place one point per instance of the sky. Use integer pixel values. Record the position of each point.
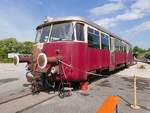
(129, 19)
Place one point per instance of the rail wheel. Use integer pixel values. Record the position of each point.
(61, 90)
(35, 86)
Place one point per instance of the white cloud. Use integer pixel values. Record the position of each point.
(141, 5)
(107, 22)
(107, 8)
(139, 9)
(128, 16)
(145, 26)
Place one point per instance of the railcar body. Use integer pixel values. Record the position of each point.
(67, 48)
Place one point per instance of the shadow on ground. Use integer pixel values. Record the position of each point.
(6, 80)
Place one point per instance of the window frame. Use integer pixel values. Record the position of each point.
(124, 46)
(112, 43)
(42, 32)
(90, 27)
(36, 35)
(108, 40)
(75, 31)
(117, 48)
(71, 22)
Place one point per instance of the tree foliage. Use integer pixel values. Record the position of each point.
(137, 51)
(141, 53)
(147, 55)
(26, 47)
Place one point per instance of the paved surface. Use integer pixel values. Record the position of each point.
(98, 92)
(120, 83)
(25, 102)
(12, 79)
(135, 70)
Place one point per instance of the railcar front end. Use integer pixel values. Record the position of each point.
(56, 55)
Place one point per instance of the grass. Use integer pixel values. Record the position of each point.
(6, 60)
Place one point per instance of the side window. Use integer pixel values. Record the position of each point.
(121, 46)
(38, 35)
(93, 38)
(80, 31)
(104, 41)
(45, 34)
(130, 49)
(127, 48)
(111, 45)
(117, 45)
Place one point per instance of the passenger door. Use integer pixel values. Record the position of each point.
(112, 54)
(93, 49)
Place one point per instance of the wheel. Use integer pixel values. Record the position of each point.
(61, 93)
(61, 90)
(35, 87)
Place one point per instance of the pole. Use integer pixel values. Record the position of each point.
(135, 106)
(116, 108)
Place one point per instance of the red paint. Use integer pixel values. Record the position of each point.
(120, 57)
(82, 58)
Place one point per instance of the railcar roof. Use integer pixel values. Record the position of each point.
(78, 18)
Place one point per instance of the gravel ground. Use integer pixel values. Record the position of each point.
(120, 83)
(135, 70)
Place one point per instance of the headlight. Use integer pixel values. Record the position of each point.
(16, 59)
(42, 60)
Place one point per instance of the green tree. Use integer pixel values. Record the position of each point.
(147, 55)
(8, 45)
(26, 47)
(138, 51)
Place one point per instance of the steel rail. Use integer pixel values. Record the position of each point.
(31, 106)
(12, 99)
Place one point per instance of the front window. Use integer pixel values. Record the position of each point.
(43, 34)
(57, 32)
(62, 31)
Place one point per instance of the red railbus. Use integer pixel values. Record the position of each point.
(66, 49)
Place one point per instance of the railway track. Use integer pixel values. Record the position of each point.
(9, 99)
(24, 102)
(31, 106)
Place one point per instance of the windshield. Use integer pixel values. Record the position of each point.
(57, 32)
(62, 31)
(42, 34)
